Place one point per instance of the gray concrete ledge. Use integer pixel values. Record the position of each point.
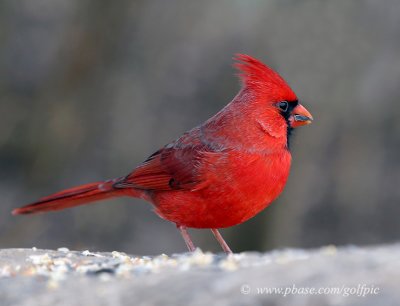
(336, 276)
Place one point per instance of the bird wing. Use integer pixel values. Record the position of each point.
(173, 168)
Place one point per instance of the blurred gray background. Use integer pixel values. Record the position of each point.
(90, 88)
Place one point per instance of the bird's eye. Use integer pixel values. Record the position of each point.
(283, 106)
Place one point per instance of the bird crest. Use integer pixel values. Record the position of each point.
(261, 78)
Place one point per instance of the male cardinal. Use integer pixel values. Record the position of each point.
(220, 173)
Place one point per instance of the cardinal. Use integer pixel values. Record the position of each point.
(220, 173)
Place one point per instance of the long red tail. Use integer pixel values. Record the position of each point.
(75, 196)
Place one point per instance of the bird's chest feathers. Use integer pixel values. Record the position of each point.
(251, 181)
(260, 175)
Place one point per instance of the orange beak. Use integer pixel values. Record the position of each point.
(300, 116)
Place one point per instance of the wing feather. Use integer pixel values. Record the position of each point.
(172, 168)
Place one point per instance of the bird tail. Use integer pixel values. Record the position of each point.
(75, 196)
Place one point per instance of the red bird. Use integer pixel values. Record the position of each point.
(218, 174)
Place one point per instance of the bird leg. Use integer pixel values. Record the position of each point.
(221, 241)
(186, 237)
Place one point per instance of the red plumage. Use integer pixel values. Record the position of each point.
(218, 174)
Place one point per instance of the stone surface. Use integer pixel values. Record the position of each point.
(353, 275)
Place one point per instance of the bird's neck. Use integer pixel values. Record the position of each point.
(237, 127)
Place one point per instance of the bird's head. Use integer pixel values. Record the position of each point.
(272, 102)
